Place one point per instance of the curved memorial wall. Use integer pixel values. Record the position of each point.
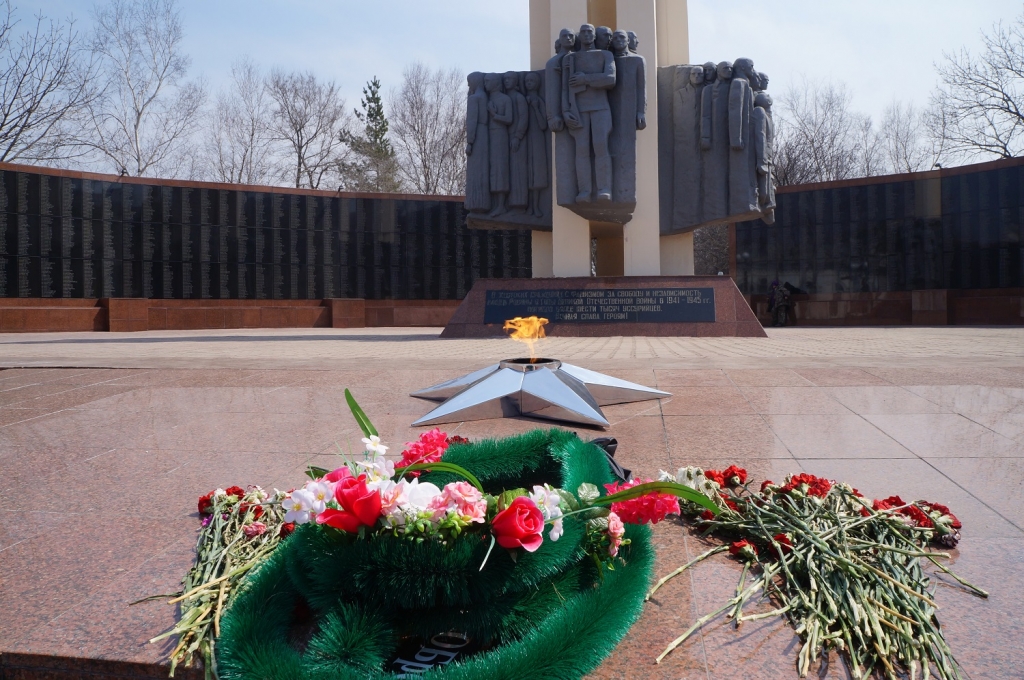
(76, 235)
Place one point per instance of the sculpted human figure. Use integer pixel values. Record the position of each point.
(710, 72)
(603, 38)
(478, 186)
(553, 79)
(764, 138)
(538, 166)
(759, 81)
(518, 196)
(499, 106)
(714, 143)
(634, 41)
(587, 76)
(686, 152)
(742, 176)
(629, 113)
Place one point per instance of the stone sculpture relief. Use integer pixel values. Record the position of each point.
(715, 145)
(508, 183)
(603, 104)
(592, 95)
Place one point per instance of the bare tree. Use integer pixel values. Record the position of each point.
(978, 109)
(711, 250)
(819, 138)
(147, 110)
(428, 129)
(241, 137)
(309, 118)
(903, 134)
(44, 82)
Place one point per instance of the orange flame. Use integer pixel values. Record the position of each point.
(528, 330)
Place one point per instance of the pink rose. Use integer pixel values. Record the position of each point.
(337, 475)
(360, 505)
(464, 498)
(616, 530)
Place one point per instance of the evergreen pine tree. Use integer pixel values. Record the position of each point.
(375, 168)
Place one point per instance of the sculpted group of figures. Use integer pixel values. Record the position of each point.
(715, 145)
(592, 96)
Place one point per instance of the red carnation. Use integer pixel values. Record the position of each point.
(920, 518)
(519, 525)
(429, 448)
(286, 529)
(744, 549)
(456, 439)
(888, 503)
(257, 510)
(816, 486)
(649, 508)
(735, 475)
(206, 504)
(715, 476)
(785, 543)
(943, 513)
(765, 484)
(235, 491)
(731, 505)
(707, 515)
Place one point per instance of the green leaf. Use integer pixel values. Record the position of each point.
(441, 466)
(679, 490)
(314, 472)
(364, 423)
(588, 493)
(506, 497)
(569, 500)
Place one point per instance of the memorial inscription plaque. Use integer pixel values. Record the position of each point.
(637, 305)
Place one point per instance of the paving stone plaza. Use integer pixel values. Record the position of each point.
(94, 426)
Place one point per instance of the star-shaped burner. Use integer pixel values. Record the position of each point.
(541, 388)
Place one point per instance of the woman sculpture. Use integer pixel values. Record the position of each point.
(518, 157)
(538, 167)
(478, 185)
(499, 106)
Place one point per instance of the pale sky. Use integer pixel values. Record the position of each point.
(882, 49)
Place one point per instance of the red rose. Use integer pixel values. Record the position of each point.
(360, 506)
(206, 504)
(337, 475)
(235, 491)
(286, 529)
(735, 475)
(519, 525)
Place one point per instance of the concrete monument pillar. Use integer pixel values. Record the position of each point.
(662, 29)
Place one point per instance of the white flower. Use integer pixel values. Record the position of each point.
(299, 506)
(322, 492)
(665, 477)
(548, 500)
(373, 444)
(220, 492)
(377, 469)
(419, 494)
(556, 530)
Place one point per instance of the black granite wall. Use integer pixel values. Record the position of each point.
(79, 238)
(889, 236)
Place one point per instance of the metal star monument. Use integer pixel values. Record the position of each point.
(541, 388)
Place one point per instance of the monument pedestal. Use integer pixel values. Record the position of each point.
(603, 306)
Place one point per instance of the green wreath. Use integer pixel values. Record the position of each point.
(329, 605)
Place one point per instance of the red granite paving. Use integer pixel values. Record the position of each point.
(100, 469)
